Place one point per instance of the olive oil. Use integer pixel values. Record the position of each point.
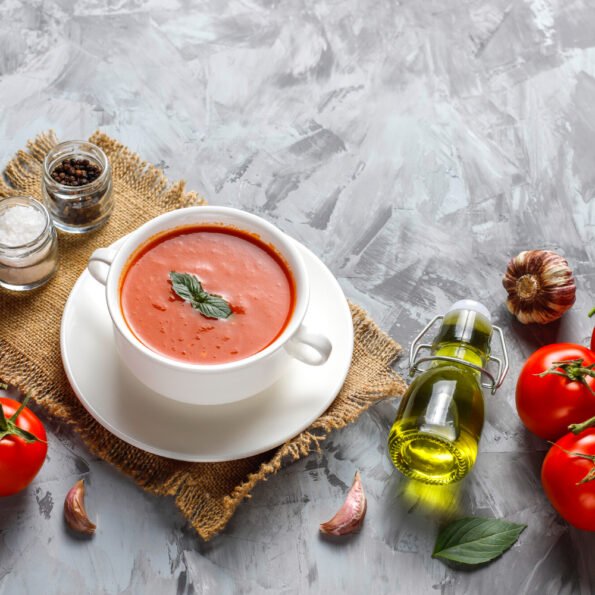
(435, 436)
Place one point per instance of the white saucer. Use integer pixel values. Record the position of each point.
(149, 421)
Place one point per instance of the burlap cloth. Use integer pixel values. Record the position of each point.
(207, 494)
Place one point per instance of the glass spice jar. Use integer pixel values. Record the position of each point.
(31, 263)
(77, 205)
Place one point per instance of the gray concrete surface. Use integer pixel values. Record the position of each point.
(414, 146)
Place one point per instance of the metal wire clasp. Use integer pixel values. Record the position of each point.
(494, 383)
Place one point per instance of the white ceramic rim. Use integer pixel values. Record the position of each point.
(282, 243)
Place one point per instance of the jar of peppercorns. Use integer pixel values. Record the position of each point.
(77, 186)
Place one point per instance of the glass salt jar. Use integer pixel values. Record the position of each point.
(28, 244)
(76, 203)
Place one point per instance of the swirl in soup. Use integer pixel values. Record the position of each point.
(226, 262)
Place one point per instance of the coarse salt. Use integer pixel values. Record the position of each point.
(28, 244)
(20, 225)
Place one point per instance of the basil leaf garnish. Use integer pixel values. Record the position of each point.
(475, 540)
(213, 306)
(190, 289)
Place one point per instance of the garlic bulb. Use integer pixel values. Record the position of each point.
(351, 514)
(540, 286)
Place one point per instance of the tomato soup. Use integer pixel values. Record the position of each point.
(251, 276)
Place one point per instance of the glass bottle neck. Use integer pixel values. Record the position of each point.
(464, 334)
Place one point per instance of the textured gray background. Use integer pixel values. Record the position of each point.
(414, 146)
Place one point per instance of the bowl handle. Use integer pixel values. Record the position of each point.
(100, 262)
(308, 347)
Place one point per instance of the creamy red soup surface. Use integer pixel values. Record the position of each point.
(246, 272)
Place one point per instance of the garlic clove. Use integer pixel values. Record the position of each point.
(540, 286)
(351, 515)
(75, 514)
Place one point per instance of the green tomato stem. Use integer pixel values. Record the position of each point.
(591, 474)
(3, 420)
(572, 369)
(8, 427)
(578, 428)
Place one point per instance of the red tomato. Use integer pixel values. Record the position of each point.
(591, 313)
(561, 474)
(547, 405)
(20, 460)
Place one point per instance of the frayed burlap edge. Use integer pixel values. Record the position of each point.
(369, 380)
(369, 339)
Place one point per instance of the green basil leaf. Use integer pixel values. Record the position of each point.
(475, 540)
(187, 286)
(213, 306)
(190, 289)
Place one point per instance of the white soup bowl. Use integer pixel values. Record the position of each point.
(210, 384)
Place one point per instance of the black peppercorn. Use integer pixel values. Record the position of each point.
(75, 172)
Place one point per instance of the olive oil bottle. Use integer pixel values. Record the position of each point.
(435, 435)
